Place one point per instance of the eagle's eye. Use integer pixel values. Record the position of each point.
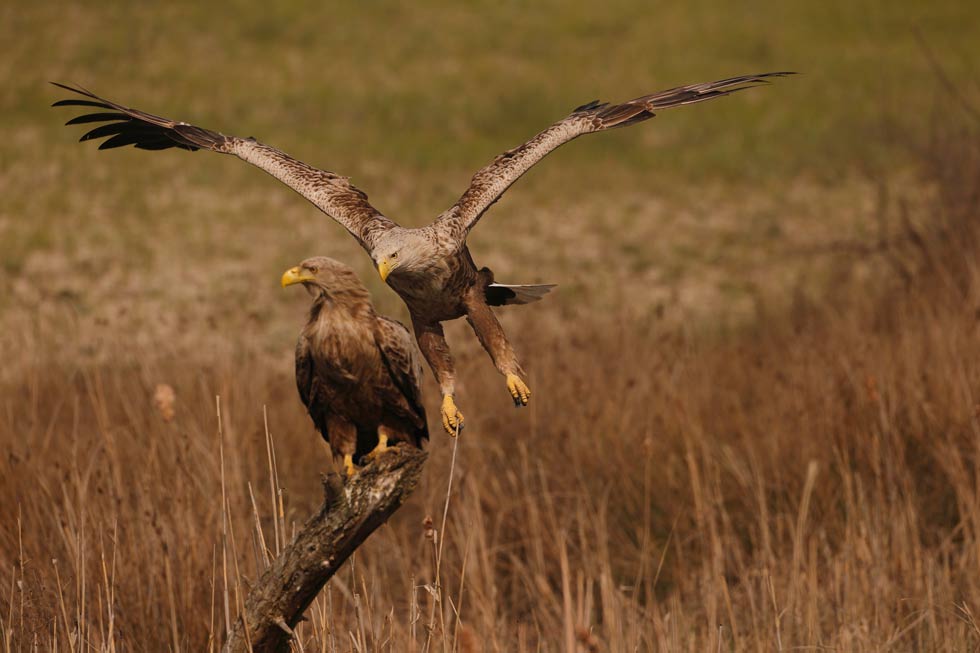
(394, 255)
(312, 268)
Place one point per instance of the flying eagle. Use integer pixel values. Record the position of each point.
(430, 267)
(357, 372)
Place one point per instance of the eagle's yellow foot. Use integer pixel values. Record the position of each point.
(452, 419)
(380, 449)
(349, 465)
(518, 390)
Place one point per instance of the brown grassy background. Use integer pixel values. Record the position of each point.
(755, 423)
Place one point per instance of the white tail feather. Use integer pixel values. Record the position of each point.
(522, 293)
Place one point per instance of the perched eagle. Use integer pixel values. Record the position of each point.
(429, 267)
(357, 372)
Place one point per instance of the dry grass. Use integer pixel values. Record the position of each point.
(810, 479)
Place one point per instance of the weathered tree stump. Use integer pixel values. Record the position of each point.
(350, 512)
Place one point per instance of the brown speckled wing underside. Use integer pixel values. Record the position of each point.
(331, 193)
(493, 180)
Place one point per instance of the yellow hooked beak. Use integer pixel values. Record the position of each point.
(295, 275)
(384, 269)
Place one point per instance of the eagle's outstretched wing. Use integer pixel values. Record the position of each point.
(332, 194)
(492, 181)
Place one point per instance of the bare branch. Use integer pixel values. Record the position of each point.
(350, 513)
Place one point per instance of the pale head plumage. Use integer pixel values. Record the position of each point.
(404, 252)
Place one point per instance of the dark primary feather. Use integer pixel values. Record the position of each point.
(92, 117)
(134, 127)
(76, 103)
(706, 91)
(585, 107)
(642, 108)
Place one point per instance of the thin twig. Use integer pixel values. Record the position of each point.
(442, 538)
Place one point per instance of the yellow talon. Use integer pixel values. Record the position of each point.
(349, 465)
(452, 419)
(518, 390)
(380, 449)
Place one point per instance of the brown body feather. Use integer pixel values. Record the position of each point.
(356, 371)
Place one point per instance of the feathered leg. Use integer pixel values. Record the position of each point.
(343, 441)
(383, 436)
(433, 345)
(494, 340)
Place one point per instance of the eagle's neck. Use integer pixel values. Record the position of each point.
(340, 332)
(329, 308)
